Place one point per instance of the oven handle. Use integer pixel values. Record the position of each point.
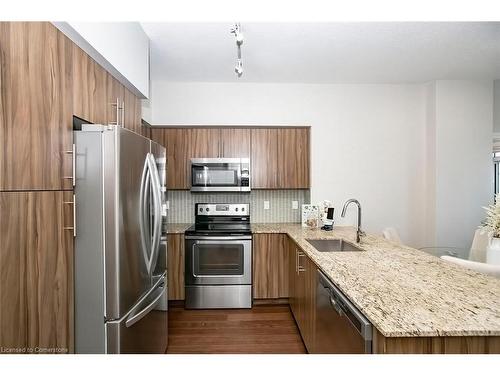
(210, 239)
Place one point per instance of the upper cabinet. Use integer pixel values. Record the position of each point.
(279, 157)
(264, 160)
(45, 80)
(293, 158)
(121, 48)
(89, 88)
(36, 107)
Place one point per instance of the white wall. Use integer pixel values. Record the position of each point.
(367, 140)
(122, 48)
(463, 127)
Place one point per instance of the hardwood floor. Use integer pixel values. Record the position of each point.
(262, 329)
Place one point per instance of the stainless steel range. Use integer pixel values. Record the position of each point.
(219, 257)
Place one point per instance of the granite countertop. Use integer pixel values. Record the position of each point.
(401, 290)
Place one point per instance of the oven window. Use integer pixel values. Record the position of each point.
(222, 175)
(218, 259)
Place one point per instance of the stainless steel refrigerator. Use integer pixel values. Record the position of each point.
(120, 245)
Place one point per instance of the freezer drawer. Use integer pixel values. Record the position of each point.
(145, 328)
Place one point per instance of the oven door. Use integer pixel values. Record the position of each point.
(213, 174)
(218, 260)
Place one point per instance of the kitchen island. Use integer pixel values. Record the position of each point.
(415, 301)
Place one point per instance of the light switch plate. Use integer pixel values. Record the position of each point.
(266, 205)
(167, 205)
(295, 205)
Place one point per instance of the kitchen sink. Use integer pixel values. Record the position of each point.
(327, 246)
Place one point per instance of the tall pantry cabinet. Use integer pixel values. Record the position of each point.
(45, 79)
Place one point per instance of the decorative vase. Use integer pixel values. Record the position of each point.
(493, 251)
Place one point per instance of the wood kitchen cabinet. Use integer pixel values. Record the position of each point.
(132, 116)
(89, 88)
(115, 99)
(36, 106)
(270, 266)
(280, 158)
(302, 284)
(293, 158)
(175, 266)
(36, 270)
(264, 158)
(182, 144)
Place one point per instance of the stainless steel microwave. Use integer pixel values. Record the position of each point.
(220, 174)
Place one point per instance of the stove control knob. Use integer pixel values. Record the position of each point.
(206, 209)
(236, 209)
(201, 209)
(242, 208)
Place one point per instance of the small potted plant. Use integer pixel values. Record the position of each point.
(492, 225)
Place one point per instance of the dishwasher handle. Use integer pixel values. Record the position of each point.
(345, 307)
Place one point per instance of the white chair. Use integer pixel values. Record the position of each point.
(392, 235)
(490, 269)
(479, 244)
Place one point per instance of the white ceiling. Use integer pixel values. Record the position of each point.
(326, 52)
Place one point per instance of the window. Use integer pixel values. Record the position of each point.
(496, 171)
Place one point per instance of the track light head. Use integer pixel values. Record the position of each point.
(239, 68)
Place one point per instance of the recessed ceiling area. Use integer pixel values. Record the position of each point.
(389, 52)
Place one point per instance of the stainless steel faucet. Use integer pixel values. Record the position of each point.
(359, 232)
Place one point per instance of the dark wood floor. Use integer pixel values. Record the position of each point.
(262, 329)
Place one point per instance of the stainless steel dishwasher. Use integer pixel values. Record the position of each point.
(340, 326)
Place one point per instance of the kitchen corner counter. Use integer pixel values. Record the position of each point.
(177, 228)
(404, 292)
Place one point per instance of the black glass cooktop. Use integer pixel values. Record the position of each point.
(219, 229)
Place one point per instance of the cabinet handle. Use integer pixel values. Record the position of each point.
(299, 267)
(73, 228)
(118, 112)
(73, 165)
(123, 114)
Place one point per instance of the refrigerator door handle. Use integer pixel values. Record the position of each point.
(156, 188)
(143, 312)
(143, 204)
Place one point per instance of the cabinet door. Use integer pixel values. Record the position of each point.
(176, 143)
(293, 297)
(175, 266)
(264, 158)
(130, 118)
(35, 106)
(182, 144)
(293, 158)
(234, 143)
(89, 88)
(309, 301)
(36, 270)
(115, 95)
(266, 254)
(283, 266)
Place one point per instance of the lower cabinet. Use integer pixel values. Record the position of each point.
(36, 272)
(270, 266)
(302, 293)
(175, 266)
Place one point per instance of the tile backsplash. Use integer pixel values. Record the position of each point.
(181, 204)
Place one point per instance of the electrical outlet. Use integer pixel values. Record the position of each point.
(167, 205)
(266, 205)
(295, 205)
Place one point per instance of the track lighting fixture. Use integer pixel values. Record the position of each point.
(236, 30)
